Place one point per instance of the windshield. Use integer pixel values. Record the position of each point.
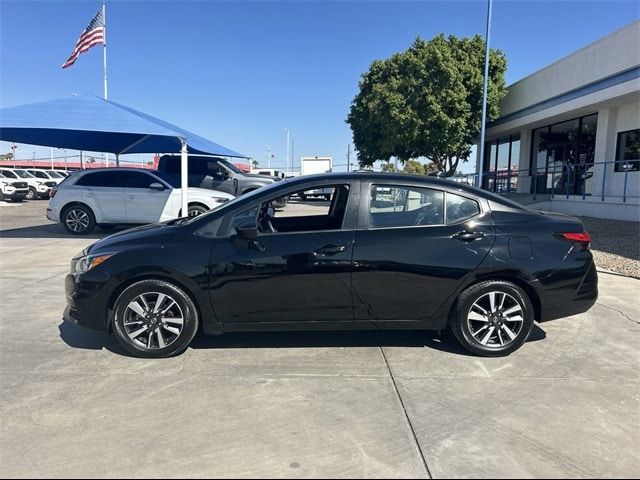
(54, 174)
(175, 183)
(9, 174)
(230, 166)
(23, 174)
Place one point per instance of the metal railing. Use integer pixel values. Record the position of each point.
(568, 180)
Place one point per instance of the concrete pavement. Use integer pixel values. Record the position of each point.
(321, 404)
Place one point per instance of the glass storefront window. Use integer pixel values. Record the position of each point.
(501, 164)
(562, 156)
(515, 163)
(628, 151)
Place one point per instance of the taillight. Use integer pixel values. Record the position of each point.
(52, 193)
(583, 238)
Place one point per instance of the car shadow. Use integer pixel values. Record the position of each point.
(55, 230)
(76, 337)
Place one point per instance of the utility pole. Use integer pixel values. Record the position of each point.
(268, 155)
(14, 147)
(349, 158)
(288, 148)
(292, 155)
(480, 157)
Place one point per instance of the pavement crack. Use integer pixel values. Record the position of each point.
(620, 312)
(404, 409)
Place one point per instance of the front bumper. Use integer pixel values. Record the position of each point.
(16, 194)
(43, 191)
(88, 296)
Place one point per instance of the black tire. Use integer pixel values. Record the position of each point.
(32, 195)
(196, 209)
(498, 325)
(150, 288)
(71, 213)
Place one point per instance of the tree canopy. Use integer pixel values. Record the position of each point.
(426, 102)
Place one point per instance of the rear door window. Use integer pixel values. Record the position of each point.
(404, 206)
(138, 180)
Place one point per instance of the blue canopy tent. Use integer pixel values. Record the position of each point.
(87, 122)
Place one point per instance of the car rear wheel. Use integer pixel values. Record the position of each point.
(195, 210)
(492, 318)
(154, 319)
(78, 219)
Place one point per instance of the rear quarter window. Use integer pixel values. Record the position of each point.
(460, 208)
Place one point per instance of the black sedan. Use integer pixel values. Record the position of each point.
(387, 251)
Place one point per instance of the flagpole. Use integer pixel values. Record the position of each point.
(104, 48)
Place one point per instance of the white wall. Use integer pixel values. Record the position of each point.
(611, 121)
(615, 53)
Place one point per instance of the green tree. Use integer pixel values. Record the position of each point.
(426, 102)
(414, 167)
(387, 167)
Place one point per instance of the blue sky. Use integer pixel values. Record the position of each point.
(239, 72)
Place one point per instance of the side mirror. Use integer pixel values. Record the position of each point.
(156, 186)
(248, 231)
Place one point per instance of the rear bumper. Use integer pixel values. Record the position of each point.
(571, 297)
(87, 297)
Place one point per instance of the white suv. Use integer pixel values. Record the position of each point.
(114, 196)
(46, 175)
(12, 189)
(38, 188)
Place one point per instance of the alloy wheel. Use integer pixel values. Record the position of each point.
(77, 220)
(153, 320)
(495, 319)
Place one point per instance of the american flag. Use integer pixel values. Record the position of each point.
(92, 35)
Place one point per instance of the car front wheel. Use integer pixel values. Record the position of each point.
(492, 318)
(154, 319)
(32, 194)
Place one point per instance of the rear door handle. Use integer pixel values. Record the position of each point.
(330, 250)
(131, 197)
(468, 236)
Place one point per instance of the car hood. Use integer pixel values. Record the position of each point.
(205, 192)
(263, 177)
(145, 234)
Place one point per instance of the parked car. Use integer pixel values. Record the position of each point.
(391, 251)
(48, 175)
(123, 196)
(37, 188)
(214, 173)
(12, 188)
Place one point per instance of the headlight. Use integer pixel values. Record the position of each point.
(84, 263)
(220, 199)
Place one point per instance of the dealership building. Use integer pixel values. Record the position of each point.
(568, 138)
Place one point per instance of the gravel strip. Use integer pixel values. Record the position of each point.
(615, 245)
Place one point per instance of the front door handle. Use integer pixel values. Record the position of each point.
(330, 250)
(131, 197)
(468, 236)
